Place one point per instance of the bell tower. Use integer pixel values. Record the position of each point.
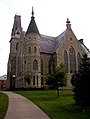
(32, 55)
(14, 48)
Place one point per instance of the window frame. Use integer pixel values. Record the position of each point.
(35, 65)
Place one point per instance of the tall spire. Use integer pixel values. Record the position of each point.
(32, 28)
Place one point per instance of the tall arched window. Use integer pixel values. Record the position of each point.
(35, 49)
(29, 49)
(66, 60)
(35, 65)
(78, 59)
(33, 80)
(37, 80)
(42, 81)
(41, 66)
(50, 66)
(17, 44)
(72, 60)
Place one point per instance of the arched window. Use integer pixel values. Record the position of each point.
(35, 65)
(66, 60)
(33, 80)
(78, 59)
(29, 49)
(35, 49)
(17, 44)
(37, 80)
(42, 81)
(41, 66)
(72, 60)
(51, 65)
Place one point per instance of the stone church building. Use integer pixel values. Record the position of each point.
(32, 54)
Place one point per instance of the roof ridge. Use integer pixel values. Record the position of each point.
(60, 34)
(47, 36)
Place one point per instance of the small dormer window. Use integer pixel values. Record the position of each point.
(71, 39)
(18, 33)
(34, 37)
(25, 62)
(29, 49)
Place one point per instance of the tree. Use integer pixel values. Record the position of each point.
(81, 82)
(58, 78)
(28, 78)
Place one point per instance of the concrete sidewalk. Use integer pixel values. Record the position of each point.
(22, 108)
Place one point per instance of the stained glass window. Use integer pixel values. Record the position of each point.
(66, 60)
(35, 65)
(72, 60)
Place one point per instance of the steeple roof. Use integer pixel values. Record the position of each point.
(32, 28)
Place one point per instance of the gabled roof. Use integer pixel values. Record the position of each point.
(86, 50)
(4, 77)
(58, 40)
(47, 44)
(50, 44)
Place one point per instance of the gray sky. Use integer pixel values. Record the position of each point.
(50, 16)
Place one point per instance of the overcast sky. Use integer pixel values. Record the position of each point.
(50, 16)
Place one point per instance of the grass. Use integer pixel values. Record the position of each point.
(57, 108)
(3, 105)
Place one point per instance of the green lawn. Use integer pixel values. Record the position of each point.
(3, 105)
(57, 108)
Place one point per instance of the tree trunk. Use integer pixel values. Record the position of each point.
(58, 92)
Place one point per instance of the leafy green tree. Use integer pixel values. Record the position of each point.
(81, 82)
(58, 78)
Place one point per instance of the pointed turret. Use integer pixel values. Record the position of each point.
(68, 24)
(16, 25)
(32, 28)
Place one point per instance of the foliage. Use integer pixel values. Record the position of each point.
(28, 79)
(3, 105)
(58, 78)
(81, 82)
(57, 108)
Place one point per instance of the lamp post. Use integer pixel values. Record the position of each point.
(14, 81)
(58, 88)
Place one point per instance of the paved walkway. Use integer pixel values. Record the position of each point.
(22, 108)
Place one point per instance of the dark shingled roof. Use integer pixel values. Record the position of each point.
(32, 28)
(50, 44)
(47, 44)
(17, 24)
